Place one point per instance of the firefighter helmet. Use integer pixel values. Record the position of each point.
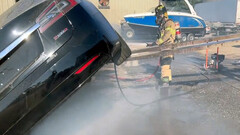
(161, 10)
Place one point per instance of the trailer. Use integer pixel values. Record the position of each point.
(222, 16)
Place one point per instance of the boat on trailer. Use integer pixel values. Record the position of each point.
(182, 12)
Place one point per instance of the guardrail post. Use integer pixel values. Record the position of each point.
(206, 64)
(217, 58)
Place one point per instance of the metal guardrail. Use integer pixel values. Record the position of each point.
(185, 47)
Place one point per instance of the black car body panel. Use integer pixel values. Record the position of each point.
(63, 43)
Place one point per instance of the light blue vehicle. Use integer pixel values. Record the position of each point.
(181, 11)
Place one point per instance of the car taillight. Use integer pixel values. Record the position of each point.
(79, 71)
(54, 12)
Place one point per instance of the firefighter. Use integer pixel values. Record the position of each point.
(166, 37)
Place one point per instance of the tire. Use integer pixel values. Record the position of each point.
(184, 37)
(129, 34)
(190, 37)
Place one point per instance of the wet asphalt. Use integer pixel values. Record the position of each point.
(198, 102)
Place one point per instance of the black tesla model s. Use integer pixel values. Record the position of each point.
(48, 48)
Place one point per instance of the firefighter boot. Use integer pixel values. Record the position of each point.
(166, 76)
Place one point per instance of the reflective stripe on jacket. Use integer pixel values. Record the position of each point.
(168, 33)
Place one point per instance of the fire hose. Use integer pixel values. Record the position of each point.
(174, 49)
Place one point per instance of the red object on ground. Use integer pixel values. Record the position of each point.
(217, 58)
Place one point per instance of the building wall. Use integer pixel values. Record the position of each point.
(5, 4)
(119, 8)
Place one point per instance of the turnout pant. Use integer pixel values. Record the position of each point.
(166, 72)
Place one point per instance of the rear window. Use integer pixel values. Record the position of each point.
(27, 52)
(19, 61)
